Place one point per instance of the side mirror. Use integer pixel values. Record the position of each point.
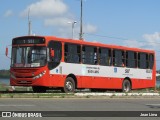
(51, 52)
(6, 51)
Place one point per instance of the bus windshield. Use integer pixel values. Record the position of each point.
(34, 56)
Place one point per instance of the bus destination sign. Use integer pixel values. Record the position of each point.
(28, 41)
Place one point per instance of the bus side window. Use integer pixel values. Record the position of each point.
(72, 53)
(118, 58)
(131, 59)
(89, 55)
(142, 60)
(104, 56)
(151, 61)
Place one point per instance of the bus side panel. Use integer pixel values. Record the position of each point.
(100, 82)
(117, 83)
(136, 84)
(57, 80)
(113, 83)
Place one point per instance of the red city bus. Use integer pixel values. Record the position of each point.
(45, 62)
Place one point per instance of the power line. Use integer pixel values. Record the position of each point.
(119, 38)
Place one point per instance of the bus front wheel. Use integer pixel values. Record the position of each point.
(69, 86)
(126, 86)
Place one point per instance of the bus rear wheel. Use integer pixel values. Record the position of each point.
(126, 86)
(39, 89)
(69, 86)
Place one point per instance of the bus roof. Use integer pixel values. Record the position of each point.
(98, 44)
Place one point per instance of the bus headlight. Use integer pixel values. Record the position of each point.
(40, 75)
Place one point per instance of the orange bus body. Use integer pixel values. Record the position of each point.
(23, 76)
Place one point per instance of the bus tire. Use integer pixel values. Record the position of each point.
(69, 85)
(126, 86)
(39, 89)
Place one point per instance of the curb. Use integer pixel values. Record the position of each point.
(80, 95)
(117, 94)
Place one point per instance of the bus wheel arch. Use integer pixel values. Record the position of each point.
(70, 84)
(74, 78)
(126, 85)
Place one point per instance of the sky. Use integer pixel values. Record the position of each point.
(133, 23)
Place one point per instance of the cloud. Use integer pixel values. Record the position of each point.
(133, 43)
(149, 41)
(55, 13)
(64, 28)
(152, 39)
(58, 21)
(8, 13)
(88, 28)
(45, 8)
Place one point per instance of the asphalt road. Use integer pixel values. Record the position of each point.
(81, 105)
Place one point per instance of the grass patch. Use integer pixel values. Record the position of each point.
(35, 95)
(126, 94)
(87, 96)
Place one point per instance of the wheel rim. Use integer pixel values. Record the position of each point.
(69, 86)
(126, 87)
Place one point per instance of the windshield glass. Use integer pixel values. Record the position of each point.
(29, 56)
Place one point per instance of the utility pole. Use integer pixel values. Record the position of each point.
(81, 23)
(29, 23)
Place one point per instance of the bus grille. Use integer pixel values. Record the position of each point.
(22, 82)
